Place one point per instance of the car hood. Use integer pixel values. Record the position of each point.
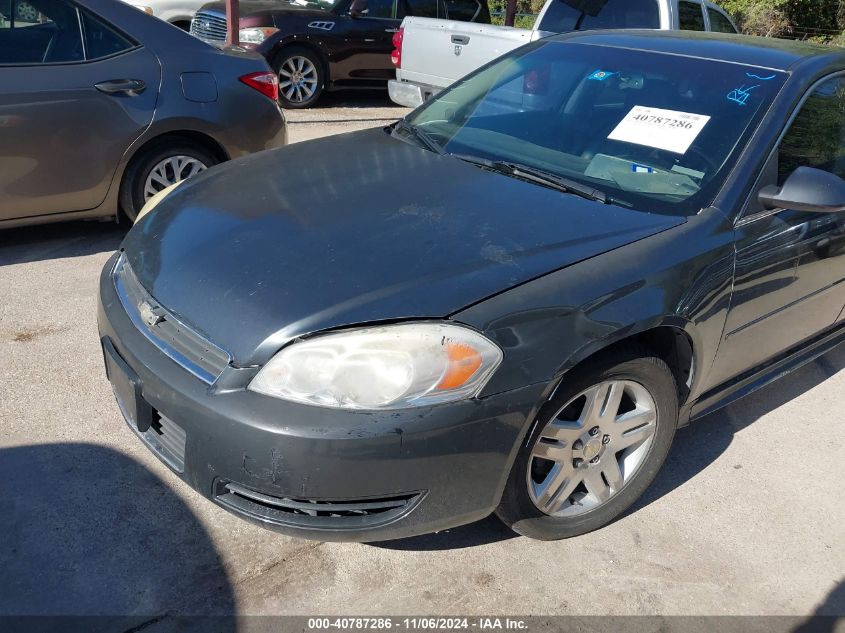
(353, 229)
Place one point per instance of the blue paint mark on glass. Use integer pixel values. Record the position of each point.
(741, 95)
(600, 75)
(753, 76)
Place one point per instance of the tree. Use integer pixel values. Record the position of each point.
(817, 19)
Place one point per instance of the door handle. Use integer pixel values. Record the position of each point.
(460, 39)
(130, 87)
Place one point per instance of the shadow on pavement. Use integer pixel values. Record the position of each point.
(355, 99)
(489, 530)
(829, 617)
(701, 443)
(88, 531)
(56, 241)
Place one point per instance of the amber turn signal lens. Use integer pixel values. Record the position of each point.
(464, 361)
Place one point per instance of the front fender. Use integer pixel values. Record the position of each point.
(680, 278)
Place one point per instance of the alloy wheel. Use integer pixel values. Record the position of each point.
(170, 171)
(297, 79)
(591, 448)
(27, 12)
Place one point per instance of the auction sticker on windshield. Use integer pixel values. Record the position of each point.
(662, 129)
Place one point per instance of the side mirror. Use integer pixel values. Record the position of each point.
(358, 9)
(806, 189)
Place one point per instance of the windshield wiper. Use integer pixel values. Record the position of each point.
(538, 176)
(418, 134)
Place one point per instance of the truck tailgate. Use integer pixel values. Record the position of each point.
(439, 52)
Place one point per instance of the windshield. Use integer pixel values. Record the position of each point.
(651, 130)
(585, 15)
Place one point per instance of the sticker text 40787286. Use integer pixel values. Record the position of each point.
(663, 121)
(669, 130)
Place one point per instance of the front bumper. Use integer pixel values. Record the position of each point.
(313, 472)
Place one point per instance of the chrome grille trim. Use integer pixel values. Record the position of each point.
(209, 26)
(174, 339)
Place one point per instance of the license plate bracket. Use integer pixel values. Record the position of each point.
(127, 389)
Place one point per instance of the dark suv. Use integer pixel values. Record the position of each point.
(316, 46)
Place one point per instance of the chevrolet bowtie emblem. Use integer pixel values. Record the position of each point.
(149, 315)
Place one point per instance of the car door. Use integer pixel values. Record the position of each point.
(790, 265)
(74, 94)
(367, 30)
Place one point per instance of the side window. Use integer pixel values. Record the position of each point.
(718, 22)
(817, 135)
(421, 8)
(100, 39)
(39, 32)
(464, 10)
(373, 8)
(691, 16)
(569, 15)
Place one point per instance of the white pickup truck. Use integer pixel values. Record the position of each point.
(432, 54)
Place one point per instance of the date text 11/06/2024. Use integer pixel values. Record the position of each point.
(417, 623)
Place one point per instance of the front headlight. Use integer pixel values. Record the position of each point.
(388, 367)
(255, 35)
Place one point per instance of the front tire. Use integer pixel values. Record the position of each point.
(598, 447)
(301, 77)
(158, 167)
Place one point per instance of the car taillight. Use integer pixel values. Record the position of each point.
(265, 82)
(396, 55)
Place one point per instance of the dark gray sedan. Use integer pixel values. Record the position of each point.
(507, 301)
(102, 106)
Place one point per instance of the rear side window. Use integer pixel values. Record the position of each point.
(373, 8)
(421, 8)
(577, 15)
(690, 16)
(100, 39)
(719, 23)
(464, 10)
(39, 32)
(53, 32)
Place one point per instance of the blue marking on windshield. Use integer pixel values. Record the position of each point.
(741, 95)
(753, 76)
(600, 75)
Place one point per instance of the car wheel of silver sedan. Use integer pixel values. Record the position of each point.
(600, 443)
(159, 166)
(170, 171)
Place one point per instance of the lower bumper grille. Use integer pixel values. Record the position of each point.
(167, 439)
(314, 514)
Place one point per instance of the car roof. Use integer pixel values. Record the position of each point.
(767, 52)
